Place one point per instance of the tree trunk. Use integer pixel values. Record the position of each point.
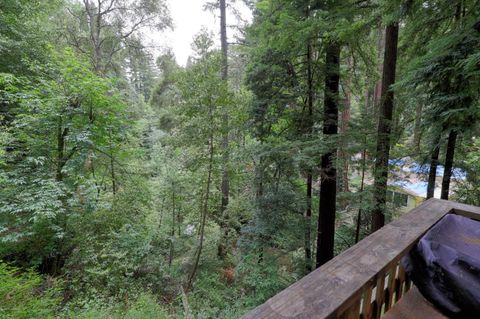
(308, 225)
(259, 178)
(61, 134)
(223, 39)
(343, 152)
(160, 218)
(225, 187)
(362, 186)
(309, 130)
(204, 218)
(384, 127)
(52, 264)
(449, 156)
(368, 97)
(452, 138)
(377, 90)
(328, 172)
(417, 130)
(432, 174)
(224, 44)
(179, 218)
(112, 166)
(114, 179)
(345, 119)
(5, 114)
(172, 232)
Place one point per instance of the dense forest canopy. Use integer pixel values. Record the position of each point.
(134, 187)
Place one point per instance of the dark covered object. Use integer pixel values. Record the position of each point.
(445, 266)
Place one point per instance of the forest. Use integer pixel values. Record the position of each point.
(132, 186)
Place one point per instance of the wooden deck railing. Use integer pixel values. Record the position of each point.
(365, 280)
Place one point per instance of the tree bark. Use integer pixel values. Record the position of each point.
(309, 130)
(204, 217)
(112, 165)
(61, 134)
(452, 136)
(225, 187)
(384, 127)
(62, 156)
(114, 179)
(224, 45)
(328, 172)
(377, 90)
(223, 39)
(172, 232)
(362, 186)
(343, 152)
(368, 98)
(417, 130)
(449, 156)
(5, 116)
(259, 178)
(432, 174)
(308, 225)
(345, 119)
(160, 218)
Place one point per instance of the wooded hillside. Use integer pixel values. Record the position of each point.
(132, 186)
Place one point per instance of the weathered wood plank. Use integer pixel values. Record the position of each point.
(353, 312)
(328, 291)
(325, 292)
(413, 306)
(469, 211)
(367, 303)
(379, 296)
(400, 283)
(391, 287)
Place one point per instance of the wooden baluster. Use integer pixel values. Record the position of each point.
(353, 312)
(379, 296)
(400, 282)
(390, 288)
(367, 306)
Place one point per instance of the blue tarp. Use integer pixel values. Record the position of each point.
(445, 266)
(424, 169)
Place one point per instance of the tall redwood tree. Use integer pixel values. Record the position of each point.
(328, 172)
(384, 127)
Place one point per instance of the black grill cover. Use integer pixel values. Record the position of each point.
(445, 266)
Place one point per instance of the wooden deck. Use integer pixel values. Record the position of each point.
(347, 286)
(413, 306)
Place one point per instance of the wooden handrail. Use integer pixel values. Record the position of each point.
(365, 280)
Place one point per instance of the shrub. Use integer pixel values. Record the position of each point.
(25, 295)
(144, 307)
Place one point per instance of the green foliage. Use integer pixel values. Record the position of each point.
(468, 190)
(111, 166)
(26, 294)
(263, 282)
(24, 33)
(109, 35)
(65, 103)
(143, 307)
(444, 86)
